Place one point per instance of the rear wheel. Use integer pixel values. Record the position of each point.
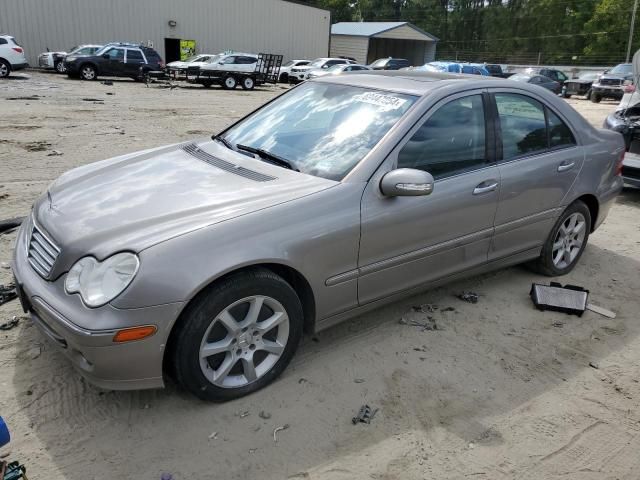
(237, 336)
(60, 68)
(248, 83)
(5, 69)
(229, 82)
(88, 72)
(566, 242)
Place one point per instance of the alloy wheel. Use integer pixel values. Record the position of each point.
(88, 73)
(244, 341)
(60, 68)
(4, 70)
(569, 240)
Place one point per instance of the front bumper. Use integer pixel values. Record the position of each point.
(631, 170)
(85, 335)
(72, 67)
(297, 77)
(610, 91)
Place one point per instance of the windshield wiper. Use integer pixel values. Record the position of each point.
(223, 141)
(268, 156)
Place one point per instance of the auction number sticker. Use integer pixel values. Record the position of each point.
(387, 102)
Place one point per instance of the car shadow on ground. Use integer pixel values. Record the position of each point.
(17, 77)
(465, 365)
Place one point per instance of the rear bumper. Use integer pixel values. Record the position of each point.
(64, 321)
(19, 66)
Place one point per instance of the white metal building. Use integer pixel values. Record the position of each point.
(369, 41)
(283, 27)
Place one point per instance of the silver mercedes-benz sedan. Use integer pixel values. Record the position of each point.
(207, 260)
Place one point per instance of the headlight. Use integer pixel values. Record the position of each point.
(100, 282)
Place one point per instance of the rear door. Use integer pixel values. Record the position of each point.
(539, 160)
(133, 61)
(409, 241)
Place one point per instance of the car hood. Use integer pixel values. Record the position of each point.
(138, 200)
(304, 68)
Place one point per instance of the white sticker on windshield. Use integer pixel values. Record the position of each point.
(386, 102)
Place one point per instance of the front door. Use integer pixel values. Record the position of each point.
(409, 241)
(114, 62)
(540, 162)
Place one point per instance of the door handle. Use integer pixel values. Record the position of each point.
(563, 167)
(485, 187)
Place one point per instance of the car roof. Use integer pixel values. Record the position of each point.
(410, 82)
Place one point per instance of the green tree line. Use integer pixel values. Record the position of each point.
(586, 32)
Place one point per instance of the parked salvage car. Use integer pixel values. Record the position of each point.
(555, 75)
(199, 60)
(210, 258)
(337, 70)
(55, 60)
(626, 120)
(114, 60)
(611, 83)
(458, 67)
(390, 64)
(539, 80)
(285, 70)
(233, 62)
(299, 74)
(579, 86)
(244, 69)
(496, 70)
(12, 56)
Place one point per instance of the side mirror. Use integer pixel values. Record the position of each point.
(105, 56)
(406, 182)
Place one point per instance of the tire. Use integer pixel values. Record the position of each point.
(248, 83)
(595, 98)
(284, 78)
(552, 261)
(206, 84)
(201, 325)
(5, 69)
(88, 72)
(60, 68)
(566, 95)
(230, 82)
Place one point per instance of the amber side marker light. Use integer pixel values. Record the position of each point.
(133, 334)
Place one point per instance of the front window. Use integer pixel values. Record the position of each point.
(450, 142)
(115, 54)
(322, 129)
(623, 69)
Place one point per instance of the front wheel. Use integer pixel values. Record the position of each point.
(595, 97)
(237, 336)
(88, 72)
(566, 242)
(230, 82)
(60, 68)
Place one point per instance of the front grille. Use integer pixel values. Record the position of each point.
(42, 252)
(42, 61)
(610, 81)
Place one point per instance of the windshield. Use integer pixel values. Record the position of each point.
(322, 129)
(588, 76)
(336, 68)
(622, 69)
(380, 63)
(318, 62)
(192, 58)
(520, 77)
(289, 63)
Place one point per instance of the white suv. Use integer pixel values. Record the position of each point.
(301, 73)
(11, 56)
(233, 62)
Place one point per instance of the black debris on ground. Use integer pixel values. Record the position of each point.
(10, 324)
(365, 415)
(470, 297)
(7, 293)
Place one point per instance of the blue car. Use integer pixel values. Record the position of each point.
(457, 67)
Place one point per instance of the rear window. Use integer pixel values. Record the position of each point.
(3, 41)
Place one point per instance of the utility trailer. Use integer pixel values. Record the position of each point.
(267, 71)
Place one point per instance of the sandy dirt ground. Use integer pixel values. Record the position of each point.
(497, 391)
